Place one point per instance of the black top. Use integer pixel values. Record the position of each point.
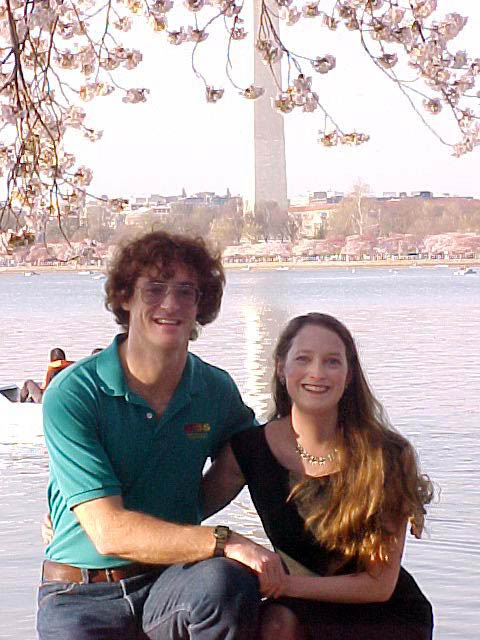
(269, 487)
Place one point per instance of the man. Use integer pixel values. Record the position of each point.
(128, 432)
(33, 392)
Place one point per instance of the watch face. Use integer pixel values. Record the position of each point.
(221, 533)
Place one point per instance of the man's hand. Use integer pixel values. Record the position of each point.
(47, 529)
(266, 564)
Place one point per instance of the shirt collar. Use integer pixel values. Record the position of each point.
(110, 371)
(109, 368)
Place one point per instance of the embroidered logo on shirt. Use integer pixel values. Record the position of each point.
(197, 431)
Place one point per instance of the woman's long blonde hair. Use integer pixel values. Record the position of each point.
(355, 512)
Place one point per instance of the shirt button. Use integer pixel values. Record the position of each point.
(149, 415)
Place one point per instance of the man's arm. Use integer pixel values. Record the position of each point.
(222, 482)
(139, 537)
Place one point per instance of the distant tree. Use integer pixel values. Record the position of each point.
(222, 231)
(228, 224)
(360, 210)
(97, 227)
(292, 228)
(251, 230)
(79, 235)
(271, 219)
(200, 221)
(357, 214)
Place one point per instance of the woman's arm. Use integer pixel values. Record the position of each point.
(376, 585)
(222, 482)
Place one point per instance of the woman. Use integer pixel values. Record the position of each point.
(334, 486)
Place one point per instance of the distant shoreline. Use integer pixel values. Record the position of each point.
(272, 266)
(352, 264)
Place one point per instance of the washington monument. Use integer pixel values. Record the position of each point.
(268, 177)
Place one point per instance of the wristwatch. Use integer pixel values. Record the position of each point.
(222, 535)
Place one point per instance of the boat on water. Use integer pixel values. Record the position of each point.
(282, 268)
(21, 421)
(464, 271)
(29, 274)
(11, 392)
(84, 273)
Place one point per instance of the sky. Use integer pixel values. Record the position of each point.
(176, 140)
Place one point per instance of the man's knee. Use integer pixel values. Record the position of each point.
(278, 622)
(226, 578)
(208, 599)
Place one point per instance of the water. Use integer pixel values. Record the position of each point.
(418, 331)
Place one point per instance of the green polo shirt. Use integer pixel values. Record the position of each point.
(104, 440)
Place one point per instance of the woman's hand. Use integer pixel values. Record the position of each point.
(47, 529)
(266, 564)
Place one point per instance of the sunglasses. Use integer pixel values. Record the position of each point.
(185, 295)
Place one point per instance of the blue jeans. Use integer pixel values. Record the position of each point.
(210, 600)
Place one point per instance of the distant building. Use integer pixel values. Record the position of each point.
(422, 194)
(318, 196)
(312, 218)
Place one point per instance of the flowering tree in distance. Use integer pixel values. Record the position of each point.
(56, 55)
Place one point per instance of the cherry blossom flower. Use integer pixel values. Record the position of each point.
(433, 105)
(269, 51)
(324, 64)
(194, 5)
(283, 103)
(252, 92)
(290, 15)
(161, 6)
(177, 37)
(311, 10)
(82, 176)
(237, 32)
(354, 138)
(388, 60)
(196, 35)
(213, 95)
(329, 139)
(123, 24)
(135, 95)
(330, 22)
(159, 23)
